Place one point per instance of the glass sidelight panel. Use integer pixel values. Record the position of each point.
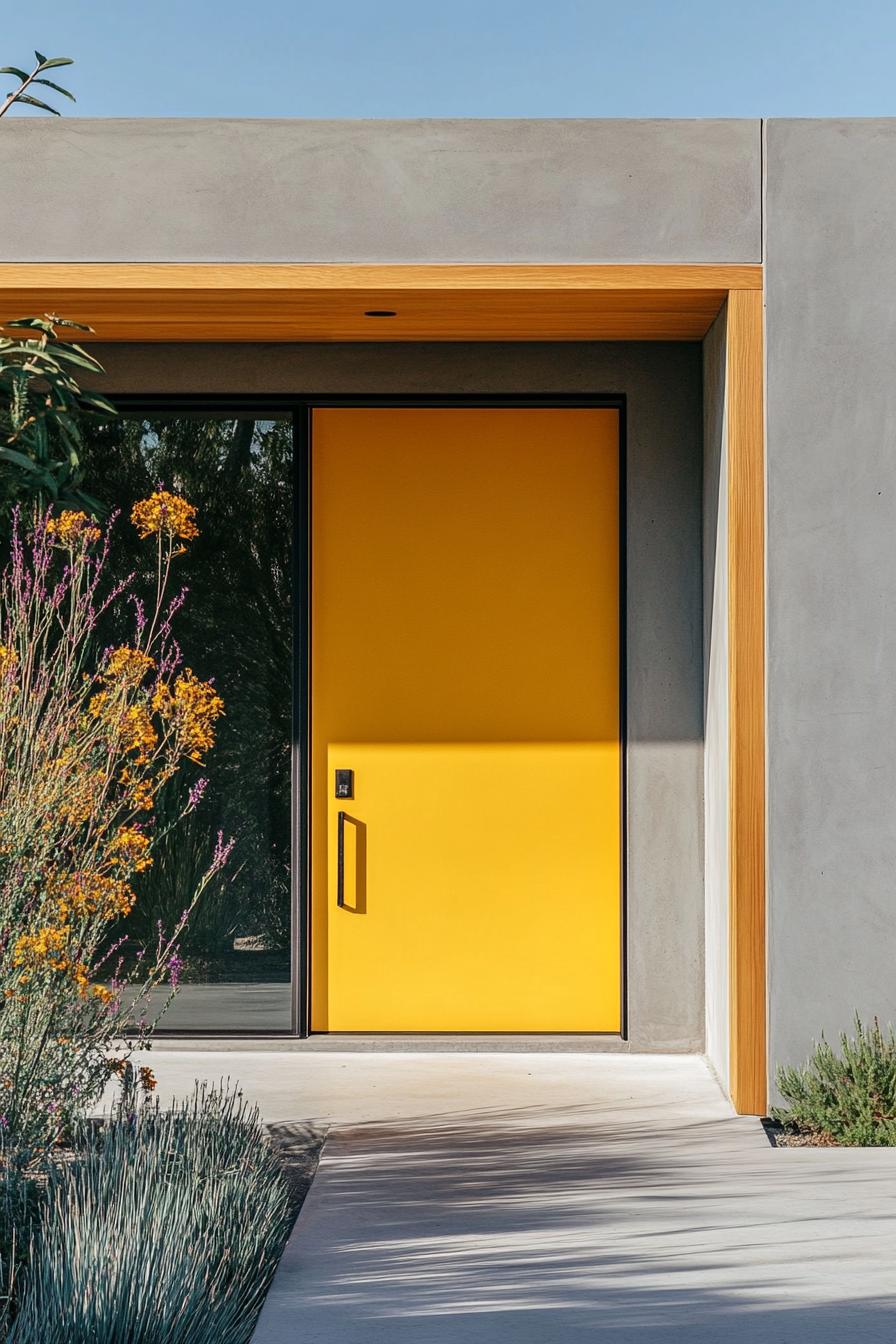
(236, 628)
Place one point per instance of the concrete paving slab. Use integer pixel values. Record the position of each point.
(540, 1199)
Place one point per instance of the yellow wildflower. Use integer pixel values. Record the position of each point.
(99, 703)
(83, 794)
(47, 946)
(165, 513)
(129, 848)
(139, 734)
(127, 666)
(134, 726)
(9, 660)
(71, 527)
(194, 706)
(140, 791)
(142, 797)
(94, 894)
(163, 700)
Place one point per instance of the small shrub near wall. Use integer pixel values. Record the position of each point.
(846, 1097)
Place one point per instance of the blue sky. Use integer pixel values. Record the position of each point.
(481, 58)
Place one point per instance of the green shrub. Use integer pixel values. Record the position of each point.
(167, 1228)
(849, 1097)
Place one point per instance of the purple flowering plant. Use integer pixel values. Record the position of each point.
(89, 736)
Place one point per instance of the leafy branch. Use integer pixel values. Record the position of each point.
(42, 404)
(20, 95)
(42, 410)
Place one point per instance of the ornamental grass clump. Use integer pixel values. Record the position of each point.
(167, 1227)
(847, 1098)
(88, 737)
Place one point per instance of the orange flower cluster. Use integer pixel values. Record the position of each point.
(94, 894)
(139, 734)
(48, 945)
(129, 848)
(127, 666)
(140, 791)
(9, 660)
(165, 514)
(48, 948)
(83, 793)
(71, 528)
(133, 727)
(193, 706)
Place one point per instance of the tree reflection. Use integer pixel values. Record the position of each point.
(236, 629)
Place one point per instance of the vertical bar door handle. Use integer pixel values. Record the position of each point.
(340, 860)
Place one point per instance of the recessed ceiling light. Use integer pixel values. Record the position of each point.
(380, 312)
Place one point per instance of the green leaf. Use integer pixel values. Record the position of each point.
(58, 87)
(100, 403)
(56, 60)
(13, 70)
(71, 437)
(50, 483)
(18, 398)
(36, 102)
(47, 323)
(72, 355)
(40, 59)
(67, 322)
(18, 459)
(39, 323)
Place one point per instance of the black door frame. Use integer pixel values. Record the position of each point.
(301, 408)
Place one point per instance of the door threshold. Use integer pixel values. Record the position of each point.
(409, 1043)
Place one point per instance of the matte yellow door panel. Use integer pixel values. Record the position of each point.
(465, 665)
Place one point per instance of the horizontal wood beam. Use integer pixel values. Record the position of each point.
(240, 302)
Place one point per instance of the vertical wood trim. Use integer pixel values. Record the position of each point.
(746, 692)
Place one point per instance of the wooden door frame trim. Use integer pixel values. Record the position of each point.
(747, 990)
(186, 301)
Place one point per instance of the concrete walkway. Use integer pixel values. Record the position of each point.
(477, 1199)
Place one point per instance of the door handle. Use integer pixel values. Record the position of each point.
(340, 860)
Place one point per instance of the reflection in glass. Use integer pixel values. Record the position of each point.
(235, 628)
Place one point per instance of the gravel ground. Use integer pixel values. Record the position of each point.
(783, 1138)
(804, 1141)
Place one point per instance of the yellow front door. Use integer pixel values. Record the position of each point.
(465, 668)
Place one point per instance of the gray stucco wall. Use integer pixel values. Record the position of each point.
(567, 191)
(475, 191)
(664, 624)
(831, 276)
(380, 191)
(715, 693)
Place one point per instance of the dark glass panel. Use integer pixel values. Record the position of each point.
(235, 628)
